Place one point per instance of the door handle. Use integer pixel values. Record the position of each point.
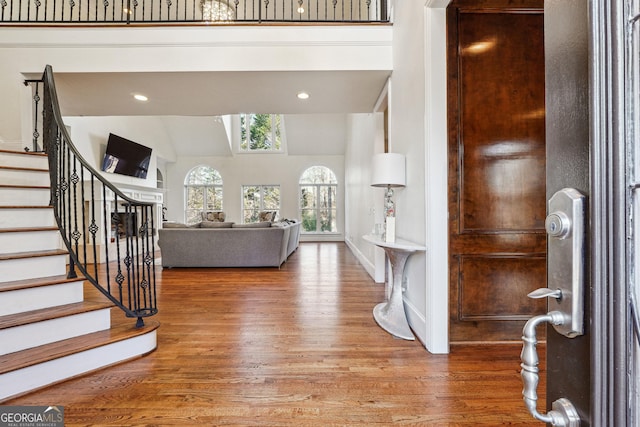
(565, 278)
(566, 259)
(563, 413)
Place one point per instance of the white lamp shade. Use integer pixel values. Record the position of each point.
(388, 170)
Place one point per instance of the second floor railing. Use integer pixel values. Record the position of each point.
(89, 12)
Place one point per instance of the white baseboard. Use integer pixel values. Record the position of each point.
(368, 266)
(417, 322)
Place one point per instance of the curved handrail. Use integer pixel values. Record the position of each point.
(97, 221)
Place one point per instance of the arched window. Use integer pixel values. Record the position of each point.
(203, 193)
(318, 210)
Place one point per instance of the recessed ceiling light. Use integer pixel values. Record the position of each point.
(303, 95)
(140, 97)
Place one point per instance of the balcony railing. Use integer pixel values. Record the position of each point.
(91, 12)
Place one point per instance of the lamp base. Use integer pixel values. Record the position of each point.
(390, 229)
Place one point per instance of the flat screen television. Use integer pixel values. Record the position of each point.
(126, 157)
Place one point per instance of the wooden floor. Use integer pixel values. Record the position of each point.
(291, 347)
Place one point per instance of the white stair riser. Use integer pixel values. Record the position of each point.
(33, 268)
(44, 374)
(28, 241)
(23, 177)
(23, 161)
(36, 334)
(22, 300)
(36, 217)
(24, 196)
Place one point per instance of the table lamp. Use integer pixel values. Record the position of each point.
(389, 171)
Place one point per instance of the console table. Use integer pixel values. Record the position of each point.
(390, 315)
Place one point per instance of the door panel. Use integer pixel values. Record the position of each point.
(522, 274)
(496, 166)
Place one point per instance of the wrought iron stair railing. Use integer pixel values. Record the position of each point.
(87, 206)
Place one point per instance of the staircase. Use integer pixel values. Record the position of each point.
(51, 328)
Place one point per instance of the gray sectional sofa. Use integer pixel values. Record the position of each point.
(229, 245)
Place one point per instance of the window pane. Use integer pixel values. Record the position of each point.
(243, 131)
(318, 175)
(251, 199)
(193, 216)
(260, 132)
(327, 220)
(204, 175)
(308, 220)
(327, 196)
(250, 216)
(214, 198)
(278, 138)
(195, 198)
(271, 198)
(307, 197)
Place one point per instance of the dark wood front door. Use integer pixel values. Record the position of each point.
(497, 200)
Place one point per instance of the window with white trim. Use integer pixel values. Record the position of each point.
(258, 198)
(260, 132)
(203, 193)
(318, 209)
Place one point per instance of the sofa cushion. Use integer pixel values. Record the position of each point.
(174, 225)
(262, 224)
(215, 224)
(213, 216)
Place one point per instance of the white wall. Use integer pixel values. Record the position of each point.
(254, 169)
(363, 206)
(417, 129)
(90, 134)
(406, 136)
(436, 178)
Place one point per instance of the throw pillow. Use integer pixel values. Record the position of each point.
(267, 216)
(213, 216)
(215, 224)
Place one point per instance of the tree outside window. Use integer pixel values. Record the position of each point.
(257, 198)
(203, 193)
(318, 195)
(260, 132)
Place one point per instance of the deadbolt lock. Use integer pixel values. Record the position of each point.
(558, 225)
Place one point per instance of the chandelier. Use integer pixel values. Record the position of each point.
(217, 10)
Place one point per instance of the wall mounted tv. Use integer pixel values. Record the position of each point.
(126, 157)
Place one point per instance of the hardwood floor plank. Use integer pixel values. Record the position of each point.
(296, 346)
